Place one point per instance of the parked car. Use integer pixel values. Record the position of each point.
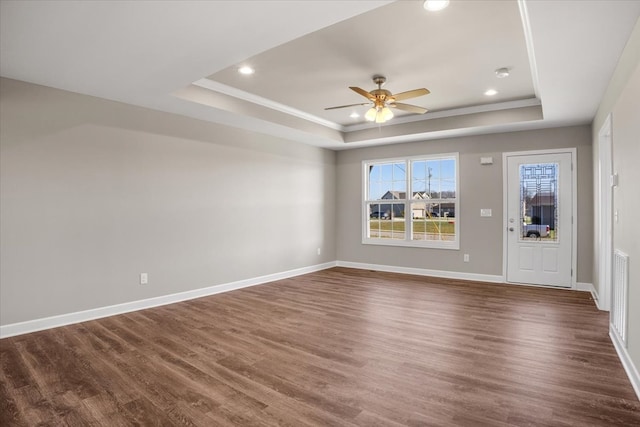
(380, 215)
(535, 230)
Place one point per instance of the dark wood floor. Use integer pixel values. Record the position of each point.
(337, 347)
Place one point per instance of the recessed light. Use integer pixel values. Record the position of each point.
(246, 70)
(354, 115)
(491, 92)
(501, 73)
(435, 5)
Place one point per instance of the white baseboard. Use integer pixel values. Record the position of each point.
(423, 272)
(588, 287)
(627, 363)
(97, 313)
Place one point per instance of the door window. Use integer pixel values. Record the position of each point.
(539, 202)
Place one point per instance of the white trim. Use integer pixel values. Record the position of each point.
(588, 287)
(255, 99)
(97, 313)
(422, 272)
(420, 244)
(604, 223)
(627, 363)
(574, 207)
(475, 109)
(408, 241)
(528, 37)
(491, 278)
(505, 214)
(215, 86)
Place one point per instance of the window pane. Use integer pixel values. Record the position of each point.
(420, 177)
(427, 190)
(387, 181)
(447, 169)
(399, 172)
(387, 172)
(436, 177)
(421, 210)
(386, 221)
(418, 170)
(539, 201)
(448, 188)
(433, 189)
(428, 224)
(375, 172)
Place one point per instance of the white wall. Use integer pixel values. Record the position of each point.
(626, 197)
(480, 187)
(622, 101)
(95, 192)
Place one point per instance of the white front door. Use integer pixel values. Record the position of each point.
(539, 230)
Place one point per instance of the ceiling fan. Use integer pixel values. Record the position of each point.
(382, 99)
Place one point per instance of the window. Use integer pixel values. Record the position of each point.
(412, 202)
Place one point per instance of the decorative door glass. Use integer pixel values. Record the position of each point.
(539, 202)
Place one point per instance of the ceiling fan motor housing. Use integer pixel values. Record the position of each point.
(379, 80)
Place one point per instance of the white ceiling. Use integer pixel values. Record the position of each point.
(306, 53)
(455, 62)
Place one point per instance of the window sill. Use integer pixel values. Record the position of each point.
(413, 244)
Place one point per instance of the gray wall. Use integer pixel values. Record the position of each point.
(622, 101)
(95, 192)
(480, 187)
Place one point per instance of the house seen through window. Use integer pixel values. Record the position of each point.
(412, 201)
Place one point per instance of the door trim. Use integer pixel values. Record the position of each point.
(604, 225)
(574, 210)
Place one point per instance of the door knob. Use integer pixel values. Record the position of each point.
(511, 228)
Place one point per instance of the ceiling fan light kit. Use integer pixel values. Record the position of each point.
(386, 114)
(371, 114)
(378, 115)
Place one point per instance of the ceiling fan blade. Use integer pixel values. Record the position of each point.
(410, 108)
(410, 94)
(362, 92)
(345, 106)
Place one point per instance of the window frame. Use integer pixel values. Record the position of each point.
(408, 240)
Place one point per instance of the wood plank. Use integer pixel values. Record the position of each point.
(338, 347)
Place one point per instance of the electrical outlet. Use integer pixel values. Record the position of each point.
(144, 278)
(466, 257)
(319, 251)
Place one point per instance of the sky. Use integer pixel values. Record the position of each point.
(434, 174)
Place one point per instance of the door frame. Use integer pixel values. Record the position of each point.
(604, 235)
(574, 203)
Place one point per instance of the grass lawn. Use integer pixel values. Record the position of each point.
(419, 226)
